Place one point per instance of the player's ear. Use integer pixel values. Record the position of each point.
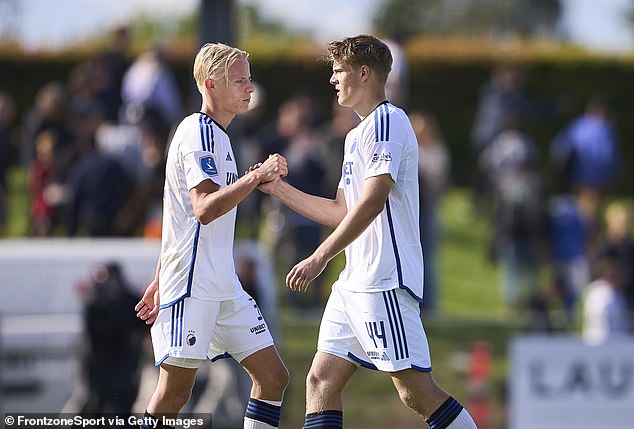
(209, 84)
(364, 71)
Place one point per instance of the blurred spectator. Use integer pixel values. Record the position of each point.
(568, 234)
(149, 88)
(112, 346)
(292, 134)
(500, 98)
(99, 188)
(333, 133)
(112, 64)
(42, 186)
(7, 147)
(510, 165)
(617, 244)
(604, 315)
(49, 112)
(587, 156)
(433, 176)
(397, 84)
(140, 150)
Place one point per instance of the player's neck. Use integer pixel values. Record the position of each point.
(221, 117)
(370, 102)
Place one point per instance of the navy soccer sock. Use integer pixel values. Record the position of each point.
(329, 419)
(263, 411)
(445, 414)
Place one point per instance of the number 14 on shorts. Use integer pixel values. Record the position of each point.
(376, 331)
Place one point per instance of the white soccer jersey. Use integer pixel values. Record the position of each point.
(197, 259)
(388, 253)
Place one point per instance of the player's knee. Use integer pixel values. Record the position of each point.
(408, 398)
(173, 399)
(317, 382)
(281, 379)
(275, 380)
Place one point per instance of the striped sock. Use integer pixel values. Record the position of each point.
(445, 414)
(330, 419)
(262, 414)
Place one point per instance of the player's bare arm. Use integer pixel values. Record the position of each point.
(325, 211)
(210, 202)
(370, 205)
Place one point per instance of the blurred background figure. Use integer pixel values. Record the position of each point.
(510, 166)
(397, 84)
(616, 244)
(500, 97)
(7, 149)
(586, 154)
(604, 307)
(333, 134)
(567, 237)
(140, 149)
(42, 182)
(112, 346)
(293, 134)
(433, 177)
(98, 190)
(113, 63)
(50, 111)
(149, 88)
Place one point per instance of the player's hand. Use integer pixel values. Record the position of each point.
(147, 308)
(300, 276)
(253, 167)
(274, 166)
(270, 186)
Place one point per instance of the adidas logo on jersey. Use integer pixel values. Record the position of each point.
(229, 157)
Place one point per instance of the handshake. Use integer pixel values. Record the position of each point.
(269, 172)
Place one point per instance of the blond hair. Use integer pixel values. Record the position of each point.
(213, 62)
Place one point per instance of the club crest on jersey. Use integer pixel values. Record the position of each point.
(383, 156)
(191, 338)
(208, 165)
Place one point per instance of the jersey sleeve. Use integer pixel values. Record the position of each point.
(198, 164)
(383, 145)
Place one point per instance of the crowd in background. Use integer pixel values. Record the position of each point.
(559, 217)
(94, 148)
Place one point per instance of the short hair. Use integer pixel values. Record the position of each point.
(213, 61)
(361, 50)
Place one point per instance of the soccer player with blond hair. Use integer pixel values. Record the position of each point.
(196, 303)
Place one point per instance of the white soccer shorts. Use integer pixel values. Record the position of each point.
(376, 330)
(198, 329)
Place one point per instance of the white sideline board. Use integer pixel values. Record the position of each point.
(43, 275)
(560, 382)
(40, 312)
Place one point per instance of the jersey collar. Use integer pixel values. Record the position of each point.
(215, 122)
